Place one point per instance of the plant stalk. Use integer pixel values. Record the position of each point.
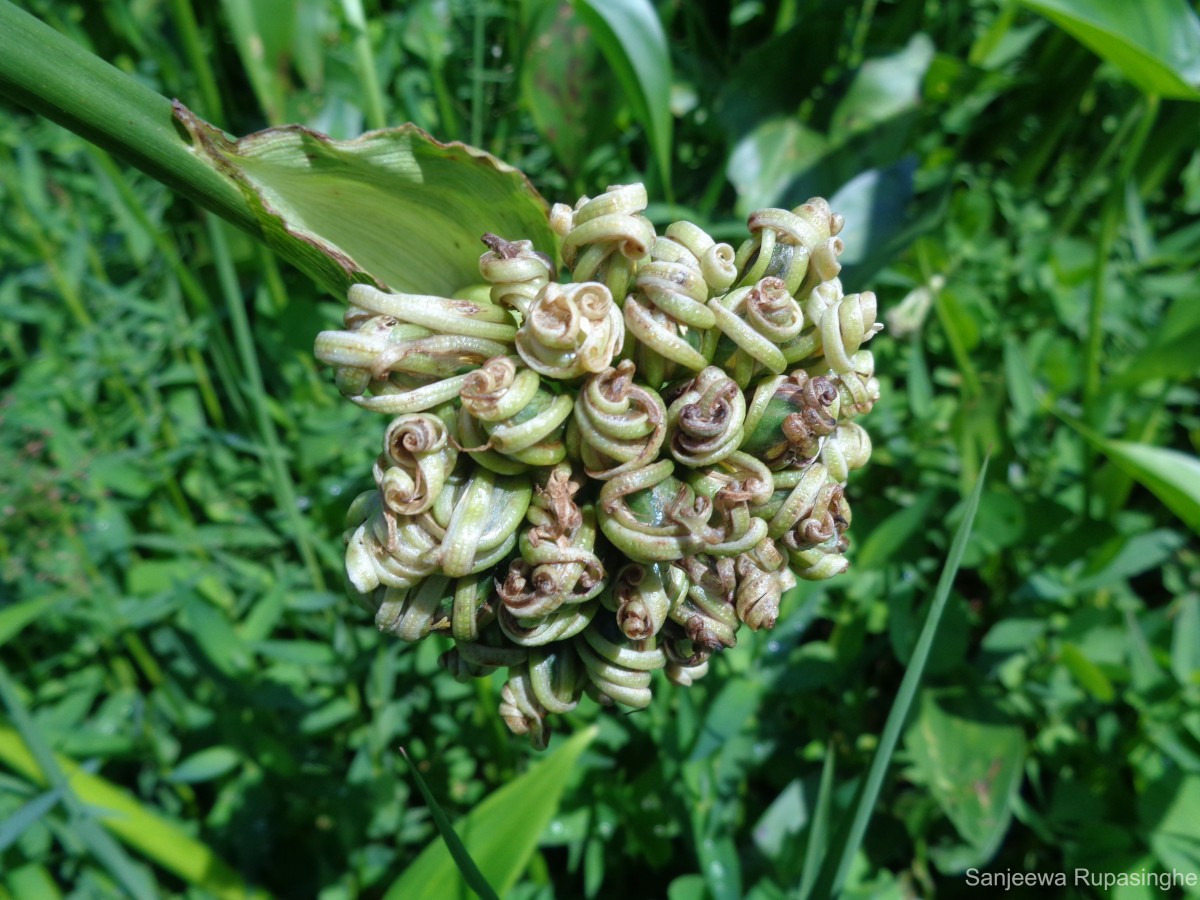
(55, 77)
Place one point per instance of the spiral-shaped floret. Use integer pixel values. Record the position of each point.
(788, 418)
(641, 600)
(508, 421)
(571, 330)
(418, 456)
(558, 564)
(762, 579)
(706, 611)
(800, 246)
(620, 424)
(618, 668)
(651, 516)
(858, 389)
(705, 422)
(847, 449)
(515, 270)
(604, 237)
(843, 324)
(393, 368)
(716, 261)
(757, 320)
(521, 711)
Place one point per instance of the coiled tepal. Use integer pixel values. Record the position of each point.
(595, 473)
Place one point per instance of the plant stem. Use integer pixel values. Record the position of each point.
(51, 75)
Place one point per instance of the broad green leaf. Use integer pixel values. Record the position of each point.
(972, 765)
(563, 87)
(767, 160)
(1156, 45)
(154, 837)
(897, 531)
(844, 848)
(1173, 358)
(632, 40)
(883, 88)
(500, 833)
(1173, 477)
(395, 206)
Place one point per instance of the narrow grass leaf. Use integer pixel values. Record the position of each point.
(499, 835)
(13, 619)
(632, 40)
(153, 836)
(1173, 477)
(1155, 45)
(841, 854)
(462, 858)
(1185, 641)
(817, 846)
(33, 811)
(133, 879)
(207, 764)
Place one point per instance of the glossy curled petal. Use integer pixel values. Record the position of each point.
(640, 600)
(508, 421)
(762, 579)
(571, 331)
(799, 246)
(706, 611)
(521, 711)
(438, 314)
(558, 564)
(757, 320)
(789, 417)
(621, 424)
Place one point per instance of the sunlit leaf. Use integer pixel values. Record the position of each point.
(500, 833)
(633, 42)
(394, 205)
(1173, 477)
(1155, 45)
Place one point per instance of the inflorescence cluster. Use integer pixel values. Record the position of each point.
(588, 481)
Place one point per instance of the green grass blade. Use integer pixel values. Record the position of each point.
(1155, 45)
(156, 838)
(500, 834)
(632, 40)
(1173, 477)
(466, 866)
(29, 813)
(818, 832)
(837, 862)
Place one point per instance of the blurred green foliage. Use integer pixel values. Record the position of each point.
(1023, 203)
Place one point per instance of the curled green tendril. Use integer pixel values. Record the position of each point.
(603, 238)
(508, 422)
(516, 271)
(417, 457)
(571, 331)
(757, 320)
(557, 564)
(789, 416)
(705, 422)
(618, 668)
(619, 425)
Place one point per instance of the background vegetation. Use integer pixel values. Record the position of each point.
(174, 467)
